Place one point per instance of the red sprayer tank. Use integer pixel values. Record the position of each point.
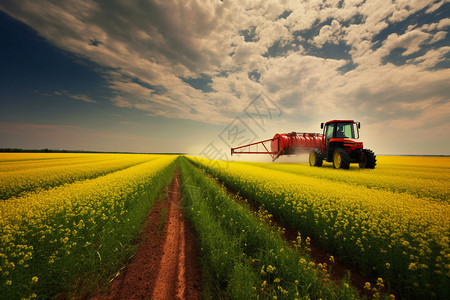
(284, 144)
(295, 142)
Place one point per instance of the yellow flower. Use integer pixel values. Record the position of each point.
(34, 279)
(270, 269)
(412, 266)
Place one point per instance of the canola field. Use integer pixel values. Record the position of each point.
(391, 223)
(68, 220)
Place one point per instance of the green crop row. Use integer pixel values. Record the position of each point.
(243, 257)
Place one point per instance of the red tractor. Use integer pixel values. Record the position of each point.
(338, 144)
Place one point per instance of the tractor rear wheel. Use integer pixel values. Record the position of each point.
(341, 159)
(315, 158)
(368, 159)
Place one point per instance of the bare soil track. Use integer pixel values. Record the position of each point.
(166, 264)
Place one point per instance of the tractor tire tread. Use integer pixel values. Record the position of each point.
(371, 159)
(345, 159)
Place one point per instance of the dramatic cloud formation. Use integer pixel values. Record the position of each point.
(381, 61)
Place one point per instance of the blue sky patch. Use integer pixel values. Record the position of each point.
(201, 83)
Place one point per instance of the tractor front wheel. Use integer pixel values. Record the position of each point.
(341, 159)
(315, 159)
(368, 159)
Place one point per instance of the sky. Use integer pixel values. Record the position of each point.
(202, 76)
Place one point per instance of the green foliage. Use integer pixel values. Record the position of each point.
(245, 257)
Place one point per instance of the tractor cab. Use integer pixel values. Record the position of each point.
(340, 145)
(340, 131)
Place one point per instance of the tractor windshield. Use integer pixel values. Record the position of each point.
(347, 130)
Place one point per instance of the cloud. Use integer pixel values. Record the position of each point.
(435, 6)
(77, 97)
(298, 80)
(248, 55)
(440, 35)
(432, 57)
(80, 97)
(183, 101)
(410, 41)
(329, 33)
(421, 134)
(444, 23)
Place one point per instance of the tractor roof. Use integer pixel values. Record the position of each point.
(340, 121)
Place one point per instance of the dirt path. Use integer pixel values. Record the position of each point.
(166, 264)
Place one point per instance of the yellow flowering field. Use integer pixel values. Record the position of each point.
(52, 238)
(22, 162)
(21, 157)
(38, 175)
(424, 177)
(400, 235)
